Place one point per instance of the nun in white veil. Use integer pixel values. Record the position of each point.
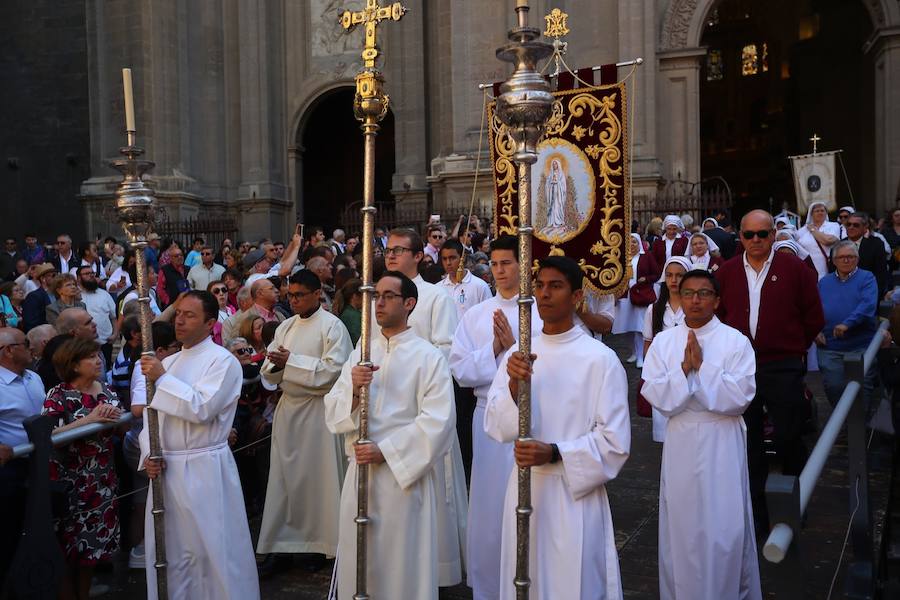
(817, 236)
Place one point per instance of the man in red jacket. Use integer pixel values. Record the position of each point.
(772, 298)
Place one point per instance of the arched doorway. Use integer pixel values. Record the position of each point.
(332, 159)
(774, 74)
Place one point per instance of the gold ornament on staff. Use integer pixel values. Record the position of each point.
(136, 207)
(524, 106)
(370, 105)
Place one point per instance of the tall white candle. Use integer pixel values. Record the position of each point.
(129, 100)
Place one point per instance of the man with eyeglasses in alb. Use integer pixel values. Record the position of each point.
(772, 298)
(700, 374)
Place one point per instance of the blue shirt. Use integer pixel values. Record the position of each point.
(20, 397)
(853, 303)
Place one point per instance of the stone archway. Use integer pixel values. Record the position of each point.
(680, 56)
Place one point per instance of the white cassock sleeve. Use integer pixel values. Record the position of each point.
(726, 388)
(312, 372)
(591, 460)
(665, 388)
(203, 400)
(339, 414)
(473, 366)
(501, 417)
(412, 450)
(444, 318)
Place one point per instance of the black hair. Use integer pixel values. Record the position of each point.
(408, 289)
(84, 247)
(268, 332)
(700, 274)
(453, 244)
(197, 239)
(209, 302)
(234, 274)
(130, 326)
(163, 334)
(565, 265)
(307, 279)
(506, 242)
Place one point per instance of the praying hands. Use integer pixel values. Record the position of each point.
(693, 355)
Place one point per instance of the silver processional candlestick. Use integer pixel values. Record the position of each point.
(136, 207)
(524, 106)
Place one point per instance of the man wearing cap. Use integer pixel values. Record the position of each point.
(260, 261)
(35, 305)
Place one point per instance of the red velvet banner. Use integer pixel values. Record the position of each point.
(580, 197)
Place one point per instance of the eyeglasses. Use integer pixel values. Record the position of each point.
(761, 234)
(61, 243)
(244, 351)
(437, 236)
(396, 251)
(174, 346)
(702, 294)
(847, 257)
(219, 290)
(386, 296)
(854, 225)
(26, 343)
(206, 254)
(300, 295)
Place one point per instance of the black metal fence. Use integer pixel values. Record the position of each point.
(388, 216)
(699, 199)
(212, 230)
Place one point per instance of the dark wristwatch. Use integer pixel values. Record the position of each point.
(555, 457)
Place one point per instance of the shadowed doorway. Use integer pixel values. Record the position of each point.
(333, 159)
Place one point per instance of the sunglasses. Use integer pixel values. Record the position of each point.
(761, 234)
(244, 351)
(219, 290)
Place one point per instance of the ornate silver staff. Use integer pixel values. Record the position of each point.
(370, 105)
(523, 106)
(136, 206)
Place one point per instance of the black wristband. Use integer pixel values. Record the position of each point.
(555, 457)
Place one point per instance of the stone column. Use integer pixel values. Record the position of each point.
(678, 112)
(886, 47)
(295, 179)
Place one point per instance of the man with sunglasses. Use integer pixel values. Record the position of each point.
(206, 271)
(870, 249)
(65, 259)
(436, 236)
(21, 396)
(773, 299)
(700, 374)
(304, 487)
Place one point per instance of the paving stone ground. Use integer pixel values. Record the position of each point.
(634, 501)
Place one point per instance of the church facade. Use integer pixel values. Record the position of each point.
(226, 89)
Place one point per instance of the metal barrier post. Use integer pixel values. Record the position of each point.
(38, 565)
(860, 573)
(783, 502)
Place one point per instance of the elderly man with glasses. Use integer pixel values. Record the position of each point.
(65, 259)
(772, 298)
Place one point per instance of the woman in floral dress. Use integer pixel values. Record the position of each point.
(89, 531)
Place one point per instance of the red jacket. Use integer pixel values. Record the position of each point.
(790, 310)
(659, 249)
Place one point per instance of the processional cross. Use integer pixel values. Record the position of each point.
(370, 105)
(815, 139)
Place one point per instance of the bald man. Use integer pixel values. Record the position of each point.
(773, 299)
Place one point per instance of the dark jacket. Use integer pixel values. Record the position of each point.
(65, 266)
(873, 260)
(790, 310)
(724, 240)
(34, 308)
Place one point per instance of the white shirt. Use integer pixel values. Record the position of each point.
(603, 305)
(671, 318)
(200, 277)
(467, 293)
(112, 284)
(755, 283)
(102, 308)
(434, 253)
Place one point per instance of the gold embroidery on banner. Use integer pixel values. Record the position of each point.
(606, 146)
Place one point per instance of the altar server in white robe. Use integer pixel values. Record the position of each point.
(411, 424)
(208, 546)
(304, 489)
(581, 439)
(484, 335)
(434, 320)
(701, 374)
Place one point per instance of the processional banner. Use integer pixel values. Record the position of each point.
(814, 180)
(580, 194)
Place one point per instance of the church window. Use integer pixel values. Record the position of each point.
(714, 67)
(764, 62)
(749, 60)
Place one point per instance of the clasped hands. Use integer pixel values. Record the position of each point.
(693, 354)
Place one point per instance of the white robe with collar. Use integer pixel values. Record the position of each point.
(473, 365)
(434, 319)
(307, 462)
(208, 544)
(707, 544)
(413, 425)
(579, 402)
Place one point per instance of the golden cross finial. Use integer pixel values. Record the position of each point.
(371, 15)
(556, 24)
(815, 139)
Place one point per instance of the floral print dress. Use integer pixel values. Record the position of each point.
(89, 531)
